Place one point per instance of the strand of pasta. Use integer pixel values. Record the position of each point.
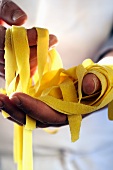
(59, 88)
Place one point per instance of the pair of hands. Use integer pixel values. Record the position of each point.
(21, 104)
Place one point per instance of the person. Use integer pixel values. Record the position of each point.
(75, 45)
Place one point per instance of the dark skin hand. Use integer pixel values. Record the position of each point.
(19, 104)
(11, 13)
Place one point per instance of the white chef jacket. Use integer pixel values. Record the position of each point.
(82, 28)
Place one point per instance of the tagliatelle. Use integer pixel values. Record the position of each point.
(59, 88)
(16, 58)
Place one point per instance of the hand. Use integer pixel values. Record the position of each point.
(21, 104)
(11, 14)
(44, 115)
(32, 39)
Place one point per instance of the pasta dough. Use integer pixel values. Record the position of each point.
(59, 88)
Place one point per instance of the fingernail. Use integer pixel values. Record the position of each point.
(1, 104)
(52, 40)
(15, 100)
(91, 84)
(18, 14)
(97, 84)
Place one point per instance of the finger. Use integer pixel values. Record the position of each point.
(11, 13)
(2, 43)
(45, 125)
(41, 125)
(15, 121)
(33, 52)
(37, 109)
(33, 60)
(38, 124)
(33, 67)
(2, 70)
(32, 38)
(12, 110)
(52, 41)
(90, 84)
(2, 37)
(2, 60)
(16, 115)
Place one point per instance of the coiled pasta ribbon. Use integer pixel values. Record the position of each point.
(59, 88)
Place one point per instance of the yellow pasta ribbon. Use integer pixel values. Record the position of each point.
(17, 75)
(72, 101)
(59, 88)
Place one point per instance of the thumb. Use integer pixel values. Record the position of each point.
(37, 109)
(11, 13)
(90, 84)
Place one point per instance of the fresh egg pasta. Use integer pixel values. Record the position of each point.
(59, 88)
